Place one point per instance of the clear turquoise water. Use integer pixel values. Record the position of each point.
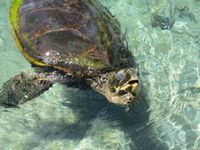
(166, 117)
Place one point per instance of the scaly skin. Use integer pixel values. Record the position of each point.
(119, 87)
(25, 86)
(22, 88)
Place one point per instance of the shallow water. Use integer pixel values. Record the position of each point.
(167, 115)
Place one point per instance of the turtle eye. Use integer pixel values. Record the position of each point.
(120, 76)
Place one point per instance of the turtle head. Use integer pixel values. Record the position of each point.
(122, 86)
(119, 87)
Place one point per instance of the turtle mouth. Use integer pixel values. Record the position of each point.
(123, 97)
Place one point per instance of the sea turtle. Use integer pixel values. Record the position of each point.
(74, 42)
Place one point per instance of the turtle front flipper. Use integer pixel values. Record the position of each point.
(23, 87)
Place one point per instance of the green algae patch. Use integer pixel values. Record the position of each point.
(14, 20)
(14, 14)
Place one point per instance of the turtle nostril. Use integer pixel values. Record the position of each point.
(122, 92)
(130, 98)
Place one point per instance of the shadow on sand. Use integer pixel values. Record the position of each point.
(89, 105)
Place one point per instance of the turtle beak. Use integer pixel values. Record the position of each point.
(123, 97)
